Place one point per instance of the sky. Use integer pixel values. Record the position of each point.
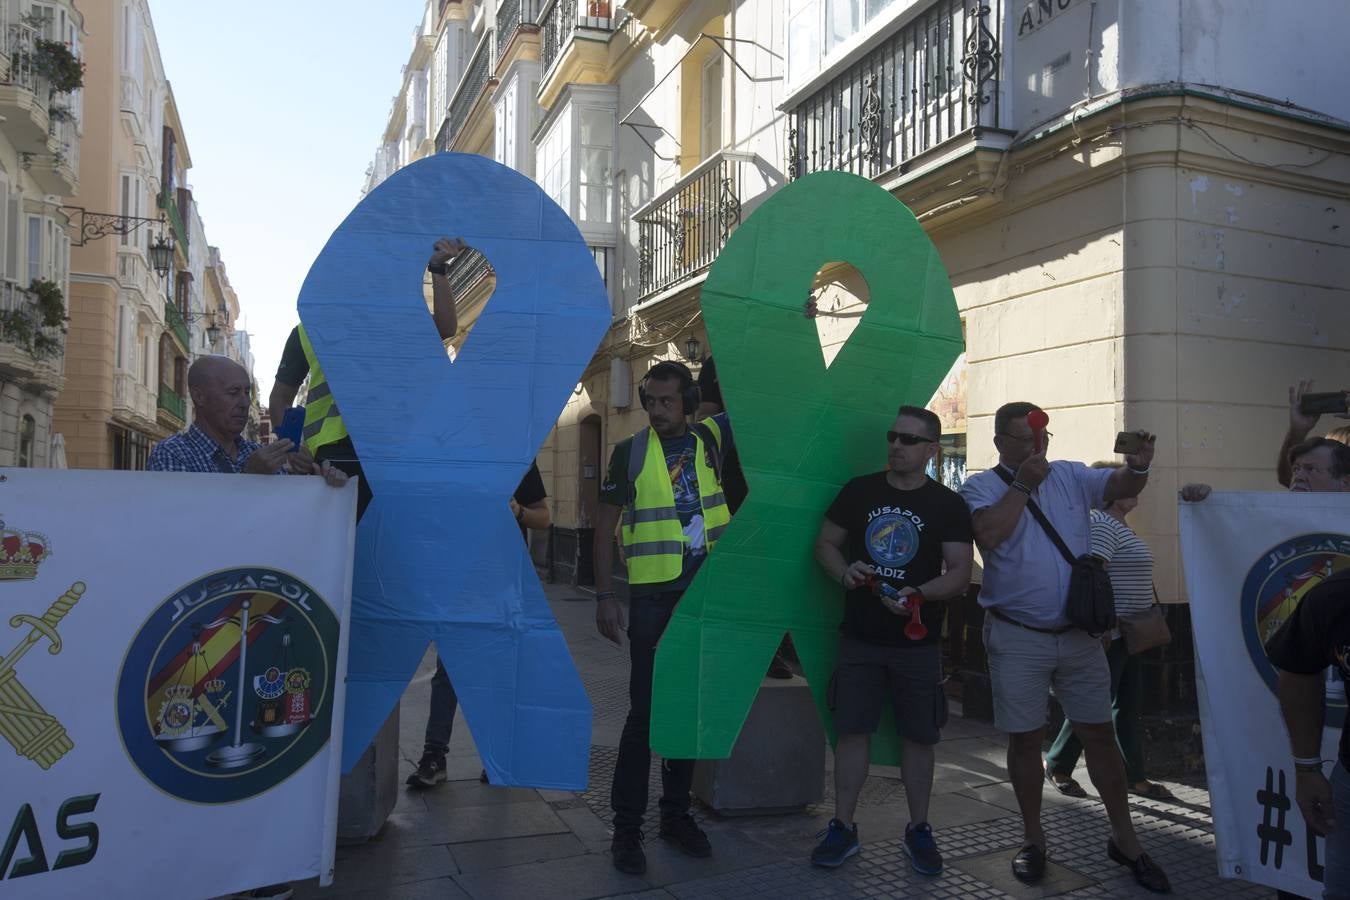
(283, 105)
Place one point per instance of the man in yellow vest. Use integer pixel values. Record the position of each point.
(324, 436)
(664, 491)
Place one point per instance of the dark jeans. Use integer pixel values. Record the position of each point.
(647, 619)
(441, 717)
(1126, 689)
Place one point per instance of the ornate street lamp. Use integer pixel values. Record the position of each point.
(161, 255)
(693, 349)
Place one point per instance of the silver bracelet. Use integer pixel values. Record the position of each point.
(1019, 486)
(1143, 471)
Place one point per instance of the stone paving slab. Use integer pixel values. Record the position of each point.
(577, 878)
(500, 854)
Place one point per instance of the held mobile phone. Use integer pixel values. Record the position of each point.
(292, 424)
(1128, 443)
(1323, 404)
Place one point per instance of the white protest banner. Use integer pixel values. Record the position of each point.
(1249, 559)
(172, 656)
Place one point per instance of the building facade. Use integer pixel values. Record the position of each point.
(1141, 225)
(41, 116)
(141, 306)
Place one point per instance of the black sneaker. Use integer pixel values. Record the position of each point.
(430, 771)
(922, 849)
(840, 843)
(626, 848)
(684, 833)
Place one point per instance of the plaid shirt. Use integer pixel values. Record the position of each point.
(194, 451)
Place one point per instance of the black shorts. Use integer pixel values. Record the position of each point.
(865, 674)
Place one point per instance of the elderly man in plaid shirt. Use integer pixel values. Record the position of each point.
(221, 392)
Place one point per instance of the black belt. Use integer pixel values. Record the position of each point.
(1002, 617)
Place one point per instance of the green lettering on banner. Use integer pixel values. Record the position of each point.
(802, 431)
(25, 826)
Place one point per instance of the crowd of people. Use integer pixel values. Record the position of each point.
(894, 541)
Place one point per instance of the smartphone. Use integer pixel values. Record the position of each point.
(1128, 443)
(292, 425)
(1321, 404)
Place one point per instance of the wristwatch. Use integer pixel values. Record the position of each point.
(438, 269)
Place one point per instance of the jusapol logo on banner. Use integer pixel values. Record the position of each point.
(147, 701)
(1249, 560)
(235, 642)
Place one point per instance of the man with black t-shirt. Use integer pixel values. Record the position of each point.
(904, 529)
(1317, 635)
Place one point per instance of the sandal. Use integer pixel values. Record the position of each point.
(1154, 791)
(1068, 787)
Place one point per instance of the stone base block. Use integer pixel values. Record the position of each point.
(367, 794)
(778, 764)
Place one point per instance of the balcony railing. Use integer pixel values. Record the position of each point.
(933, 80)
(20, 70)
(66, 136)
(168, 201)
(682, 231)
(466, 270)
(171, 402)
(512, 14)
(174, 319)
(471, 87)
(560, 19)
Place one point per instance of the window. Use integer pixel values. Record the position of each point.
(121, 337)
(555, 162)
(595, 172)
(34, 248)
(817, 28)
(130, 449)
(27, 440)
(710, 132)
(12, 237)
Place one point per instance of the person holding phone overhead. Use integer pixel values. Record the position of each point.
(1305, 409)
(1029, 641)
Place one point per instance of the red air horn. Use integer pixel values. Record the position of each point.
(915, 630)
(1037, 420)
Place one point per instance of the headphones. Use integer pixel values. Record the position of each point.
(689, 391)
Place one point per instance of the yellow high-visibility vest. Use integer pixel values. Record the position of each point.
(323, 422)
(653, 539)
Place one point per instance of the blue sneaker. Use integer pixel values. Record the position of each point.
(840, 843)
(922, 849)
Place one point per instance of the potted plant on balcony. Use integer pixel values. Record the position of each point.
(31, 326)
(55, 62)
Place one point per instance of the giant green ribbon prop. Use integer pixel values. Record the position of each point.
(802, 432)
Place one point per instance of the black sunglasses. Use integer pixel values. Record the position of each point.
(909, 440)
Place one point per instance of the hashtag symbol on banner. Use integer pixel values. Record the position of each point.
(1276, 803)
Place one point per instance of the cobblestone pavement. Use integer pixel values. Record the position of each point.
(465, 839)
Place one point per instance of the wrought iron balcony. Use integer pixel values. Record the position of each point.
(466, 270)
(560, 20)
(681, 232)
(470, 88)
(172, 403)
(933, 80)
(21, 68)
(174, 319)
(511, 15)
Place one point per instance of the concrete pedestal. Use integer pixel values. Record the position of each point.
(367, 794)
(778, 764)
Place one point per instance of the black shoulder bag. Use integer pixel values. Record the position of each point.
(1091, 601)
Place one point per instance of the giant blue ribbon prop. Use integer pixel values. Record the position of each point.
(438, 553)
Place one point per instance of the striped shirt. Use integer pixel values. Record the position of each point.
(1130, 562)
